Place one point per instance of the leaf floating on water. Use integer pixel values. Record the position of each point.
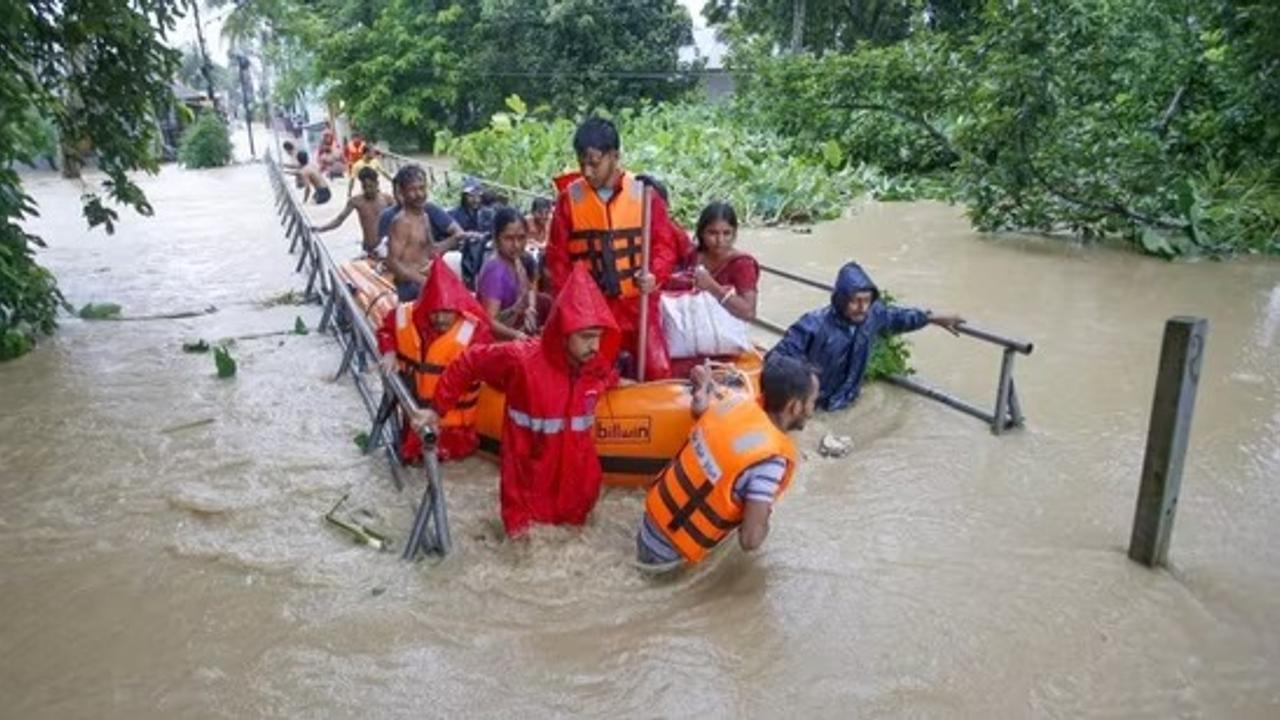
(199, 346)
(99, 311)
(225, 363)
(362, 441)
(378, 591)
(299, 327)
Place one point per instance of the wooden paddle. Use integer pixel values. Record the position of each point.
(645, 228)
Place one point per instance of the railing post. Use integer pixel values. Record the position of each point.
(1000, 417)
(1177, 378)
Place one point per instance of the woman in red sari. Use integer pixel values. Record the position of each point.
(730, 275)
(727, 274)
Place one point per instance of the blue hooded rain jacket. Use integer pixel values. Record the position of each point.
(838, 349)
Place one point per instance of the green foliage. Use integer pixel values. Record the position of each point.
(361, 439)
(1143, 119)
(405, 69)
(223, 361)
(891, 355)
(94, 74)
(99, 311)
(702, 153)
(837, 25)
(299, 327)
(207, 143)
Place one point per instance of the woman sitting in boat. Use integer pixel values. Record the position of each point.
(504, 286)
(730, 275)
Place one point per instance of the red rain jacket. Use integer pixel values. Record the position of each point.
(443, 290)
(666, 242)
(550, 471)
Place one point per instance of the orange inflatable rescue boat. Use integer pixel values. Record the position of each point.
(639, 427)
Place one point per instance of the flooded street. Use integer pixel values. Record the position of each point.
(163, 553)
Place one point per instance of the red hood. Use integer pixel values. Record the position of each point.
(443, 290)
(580, 305)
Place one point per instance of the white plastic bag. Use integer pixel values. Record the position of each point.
(696, 325)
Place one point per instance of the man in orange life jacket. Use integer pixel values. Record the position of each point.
(550, 470)
(597, 224)
(421, 339)
(737, 463)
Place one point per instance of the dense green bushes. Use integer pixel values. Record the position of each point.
(207, 143)
(1149, 120)
(702, 153)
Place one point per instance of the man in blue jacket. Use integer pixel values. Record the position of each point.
(837, 339)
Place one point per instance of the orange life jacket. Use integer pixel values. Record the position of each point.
(425, 367)
(692, 503)
(606, 236)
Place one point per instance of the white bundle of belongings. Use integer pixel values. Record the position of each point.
(696, 325)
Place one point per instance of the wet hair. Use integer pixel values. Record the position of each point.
(408, 174)
(540, 204)
(288, 146)
(712, 213)
(504, 216)
(657, 185)
(366, 174)
(596, 133)
(784, 379)
(303, 157)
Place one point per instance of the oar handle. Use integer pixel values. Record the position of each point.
(646, 230)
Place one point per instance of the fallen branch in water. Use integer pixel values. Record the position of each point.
(111, 311)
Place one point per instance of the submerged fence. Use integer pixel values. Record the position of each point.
(384, 394)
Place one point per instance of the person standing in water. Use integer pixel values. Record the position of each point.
(839, 337)
(550, 470)
(737, 463)
(367, 206)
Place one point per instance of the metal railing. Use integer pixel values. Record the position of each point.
(344, 318)
(1007, 413)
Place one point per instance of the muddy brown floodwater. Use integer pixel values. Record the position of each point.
(154, 565)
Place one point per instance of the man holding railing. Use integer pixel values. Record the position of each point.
(838, 339)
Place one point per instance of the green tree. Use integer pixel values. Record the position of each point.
(581, 55)
(822, 26)
(1149, 120)
(100, 70)
(207, 143)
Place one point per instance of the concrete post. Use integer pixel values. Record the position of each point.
(1175, 396)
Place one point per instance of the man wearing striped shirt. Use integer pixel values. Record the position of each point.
(737, 463)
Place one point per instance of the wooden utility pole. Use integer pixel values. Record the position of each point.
(1175, 399)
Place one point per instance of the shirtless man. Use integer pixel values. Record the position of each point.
(368, 205)
(411, 243)
(313, 178)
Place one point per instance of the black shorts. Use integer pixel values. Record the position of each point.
(322, 195)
